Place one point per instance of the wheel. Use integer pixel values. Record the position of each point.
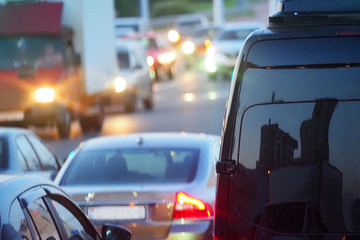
(157, 75)
(98, 119)
(171, 71)
(130, 105)
(85, 124)
(93, 122)
(64, 124)
(148, 102)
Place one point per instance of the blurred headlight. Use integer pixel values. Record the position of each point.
(44, 95)
(188, 47)
(207, 43)
(150, 60)
(210, 65)
(173, 36)
(210, 50)
(167, 57)
(120, 84)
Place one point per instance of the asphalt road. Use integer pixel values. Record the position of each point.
(189, 103)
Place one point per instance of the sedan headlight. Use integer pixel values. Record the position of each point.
(150, 61)
(120, 84)
(188, 47)
(173, 36)
(167, 57)
(210, 51)
(44, 95)
(210, 65)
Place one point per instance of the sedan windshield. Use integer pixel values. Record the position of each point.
(19, 51)
(146, 166)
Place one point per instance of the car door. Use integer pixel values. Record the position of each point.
(35, 157)
(39, 214)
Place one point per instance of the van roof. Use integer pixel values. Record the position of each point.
(315, 12)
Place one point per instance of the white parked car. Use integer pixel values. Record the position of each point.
(222, 54)
(134, 81)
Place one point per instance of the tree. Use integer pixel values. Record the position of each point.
(127, 8)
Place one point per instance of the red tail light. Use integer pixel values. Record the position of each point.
(187, 207)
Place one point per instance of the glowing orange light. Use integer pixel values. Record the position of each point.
(182, 198)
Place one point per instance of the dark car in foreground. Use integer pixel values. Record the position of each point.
(289, 165)
(35, 208)
(22, 151)
(158, 185)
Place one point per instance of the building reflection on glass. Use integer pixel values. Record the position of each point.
(276, 148)
(304, 194)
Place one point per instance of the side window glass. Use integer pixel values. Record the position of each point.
(23, 163)
(73, 227)
(43, 220)
(4, 156)
(28, 153)
(18, 221)
(133, 60)
(47, 159)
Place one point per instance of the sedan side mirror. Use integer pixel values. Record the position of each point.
(115, 232)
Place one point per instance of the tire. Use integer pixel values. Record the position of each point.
(149, 102)
(85, 124)
(157, 75)
(171, 72)
(98, 120)
(93, 122)
(130, 105)
(64, 124)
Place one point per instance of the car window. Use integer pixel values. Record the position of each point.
(235, 34)
(47, 158)
(4, 155)
(27, 152)
(18, 221)
(72, 225)
(43, 220)
(132, 166)
(149, 43)
(23, 163)
(123, 59)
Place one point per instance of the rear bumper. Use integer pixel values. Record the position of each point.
(191, 230)
(122, 98)
(37, 114)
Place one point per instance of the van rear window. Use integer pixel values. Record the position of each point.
(305, 52)
(299, 162)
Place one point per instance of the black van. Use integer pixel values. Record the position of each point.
(290, 157)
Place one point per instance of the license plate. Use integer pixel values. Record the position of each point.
(116, 212)
(12, 116)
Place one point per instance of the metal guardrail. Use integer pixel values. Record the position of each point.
(166, 22)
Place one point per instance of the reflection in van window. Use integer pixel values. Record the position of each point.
(305, 171)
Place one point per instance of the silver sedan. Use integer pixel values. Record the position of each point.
(23, 152)
(158, 185)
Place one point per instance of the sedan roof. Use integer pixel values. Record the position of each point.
(7, 131)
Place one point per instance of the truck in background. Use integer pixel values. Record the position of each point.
(56, 57)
